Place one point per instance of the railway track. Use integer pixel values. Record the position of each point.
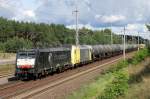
(21, 86)
(52, 85)
(10, 85)
(31, 88)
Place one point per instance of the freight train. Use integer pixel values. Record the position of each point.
(35, 63)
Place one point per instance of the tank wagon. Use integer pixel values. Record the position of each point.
(35, 63)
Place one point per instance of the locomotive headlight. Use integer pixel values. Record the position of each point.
(18, 66)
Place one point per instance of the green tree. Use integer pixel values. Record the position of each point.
(14, 44)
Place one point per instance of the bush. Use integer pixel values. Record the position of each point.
(122, 64)
(118, 87)
(148, 46)
(114, 86)
(12, 45)
(2, 47)
(139, 56)
(120, 83)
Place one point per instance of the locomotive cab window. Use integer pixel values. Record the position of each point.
(26, 55)
(22, 55)
(31, 55)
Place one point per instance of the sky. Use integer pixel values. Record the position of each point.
(93, 14)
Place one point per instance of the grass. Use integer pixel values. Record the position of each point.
(7, 68)
(114, 82)
(91, 91)
(140, 80)
(139, 90)
(7, 55)
(140, 56)
(117, 87)
(103, 85)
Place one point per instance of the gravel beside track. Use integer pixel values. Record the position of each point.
(5, 62)
(6, 74)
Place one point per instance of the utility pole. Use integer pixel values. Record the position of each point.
(132, 41)
(77, 34)
(111, 35)
(124, 45)
(138, 42)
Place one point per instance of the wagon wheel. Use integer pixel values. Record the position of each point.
(39, 75)
(35, 76)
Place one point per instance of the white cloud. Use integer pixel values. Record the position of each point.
(137, 27)
(16, 10)
(88, 26)
(11, 4)
(98, 16)
(133, 29)
(29, 13)
(110, 19)
(87, 1)
(8, 8)
(25, 15)
(93, 14)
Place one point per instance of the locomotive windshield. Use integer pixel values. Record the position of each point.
(26, 55)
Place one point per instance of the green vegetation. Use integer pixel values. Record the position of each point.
(16, 35)
(15, 43)
(92, 90)
(7, 55)
(120, 65)
(139, 90)
(107, 86)
(139, 81)
(140, 56)
(117, 87)
(113, 83)
(7, 68)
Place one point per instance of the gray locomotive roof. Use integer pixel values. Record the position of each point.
(47, 49)
(55, 49)
(27, 50)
